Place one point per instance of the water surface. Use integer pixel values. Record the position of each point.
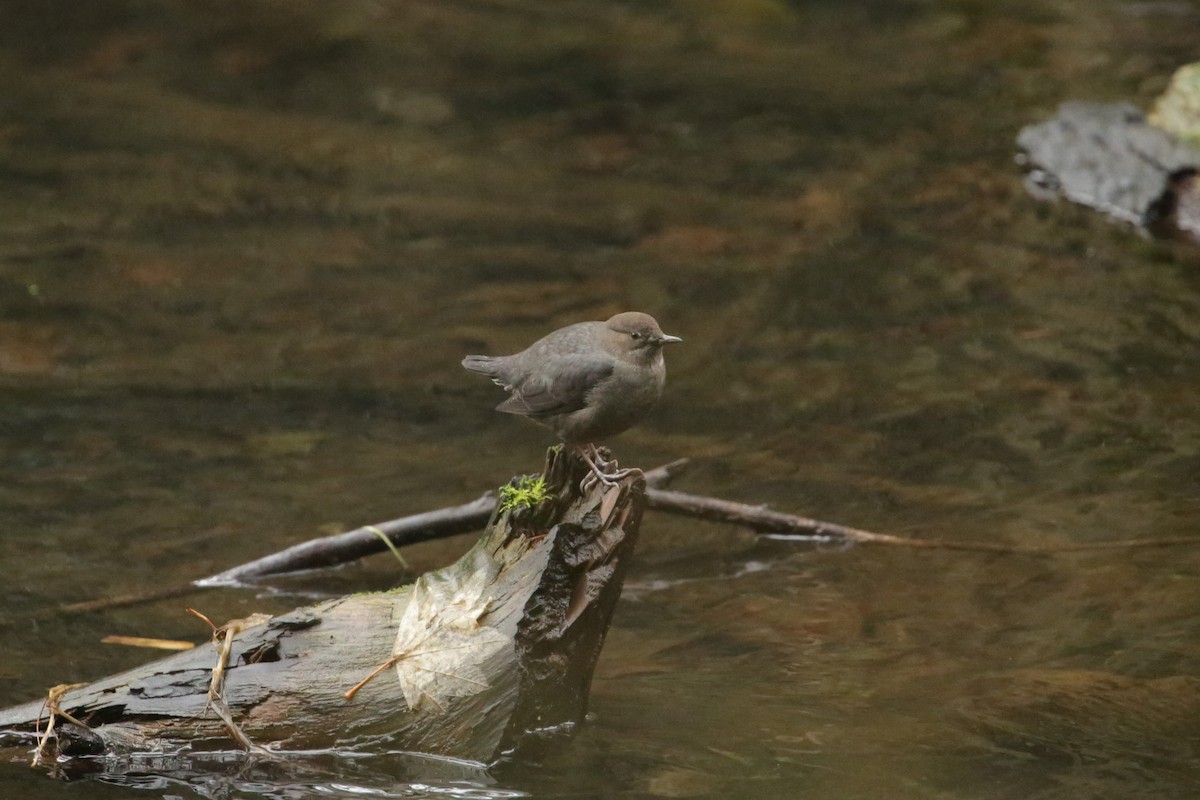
(243, 247)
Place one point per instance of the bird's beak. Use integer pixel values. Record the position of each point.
(667, 339)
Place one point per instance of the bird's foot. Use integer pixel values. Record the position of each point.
(598, 474)
(622, 474)
(604, 470)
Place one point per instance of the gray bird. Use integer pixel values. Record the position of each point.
(585, 382)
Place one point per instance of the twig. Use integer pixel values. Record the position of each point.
(148, 642)
(53, 696)
(353, 690)
(101, 604)
(105, 603)
(660, 476)
(222, 639)
(328, 551)
(344, 547)
(765, 520)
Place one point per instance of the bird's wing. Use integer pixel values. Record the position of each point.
(558, 389)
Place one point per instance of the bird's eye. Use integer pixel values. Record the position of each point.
(636, 335)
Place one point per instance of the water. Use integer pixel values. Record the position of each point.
(244, 247)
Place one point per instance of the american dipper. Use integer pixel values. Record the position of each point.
(585, 382)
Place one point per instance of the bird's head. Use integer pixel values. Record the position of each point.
(638, 335)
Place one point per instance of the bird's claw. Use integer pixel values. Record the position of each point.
(602, 471)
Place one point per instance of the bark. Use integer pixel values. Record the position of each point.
(503, 641)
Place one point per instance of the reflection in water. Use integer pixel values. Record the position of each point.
(337, 774)
(244, 247)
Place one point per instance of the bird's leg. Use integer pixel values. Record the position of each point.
(607, 469)
(605, 464)
(592, 459)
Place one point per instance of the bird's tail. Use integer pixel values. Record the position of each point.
(484, 365)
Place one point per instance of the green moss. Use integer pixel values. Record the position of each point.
(529, 491)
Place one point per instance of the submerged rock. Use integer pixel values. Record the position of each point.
(1108, 157)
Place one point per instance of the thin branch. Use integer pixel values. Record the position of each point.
(445, 522)
(353, 690)
(344, 547)
(763, 520)
(327, 551)
(332, 550)
(660, 476)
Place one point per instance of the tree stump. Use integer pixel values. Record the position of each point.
(502, 642)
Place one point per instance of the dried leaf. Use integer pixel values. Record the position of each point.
(441, 641)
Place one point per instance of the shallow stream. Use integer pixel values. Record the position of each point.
(243, 247)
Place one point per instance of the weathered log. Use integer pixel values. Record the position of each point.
(502, 642)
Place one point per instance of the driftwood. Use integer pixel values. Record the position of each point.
(791, 526)
(472, 656)
(345, 547)
(342, 548)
